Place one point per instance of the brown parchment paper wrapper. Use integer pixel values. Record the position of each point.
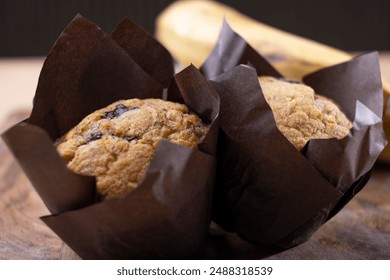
(168, 215)
(266, 191)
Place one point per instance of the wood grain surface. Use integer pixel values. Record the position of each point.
(360, 231)
(22, 234)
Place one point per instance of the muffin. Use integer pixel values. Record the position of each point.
(268, 191)
(302, 115)
(115, 144)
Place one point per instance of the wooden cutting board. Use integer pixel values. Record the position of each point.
(360, 231)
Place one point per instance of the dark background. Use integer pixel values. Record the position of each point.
(30, 27)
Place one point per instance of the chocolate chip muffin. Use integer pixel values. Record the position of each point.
(115, 144)
(302, 115)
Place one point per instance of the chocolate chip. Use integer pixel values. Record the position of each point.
(120, 106)
(130, 138)
(94, 136)
(119, 110)
(109, 115)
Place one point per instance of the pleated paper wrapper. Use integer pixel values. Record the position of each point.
(266, 191)
(167, 216)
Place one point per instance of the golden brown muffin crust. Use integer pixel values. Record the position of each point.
(115, 144)
(302, 115)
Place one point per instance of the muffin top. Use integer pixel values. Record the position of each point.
(115, 144)
(302, 115)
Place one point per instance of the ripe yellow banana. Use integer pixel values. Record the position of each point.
(189, 30)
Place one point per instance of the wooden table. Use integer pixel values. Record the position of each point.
(360, 231)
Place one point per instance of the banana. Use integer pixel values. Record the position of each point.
(189, 30)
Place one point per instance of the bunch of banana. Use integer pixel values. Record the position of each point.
(189, 30)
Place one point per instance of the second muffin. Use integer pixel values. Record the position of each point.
(115, 144)
(301, 114)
